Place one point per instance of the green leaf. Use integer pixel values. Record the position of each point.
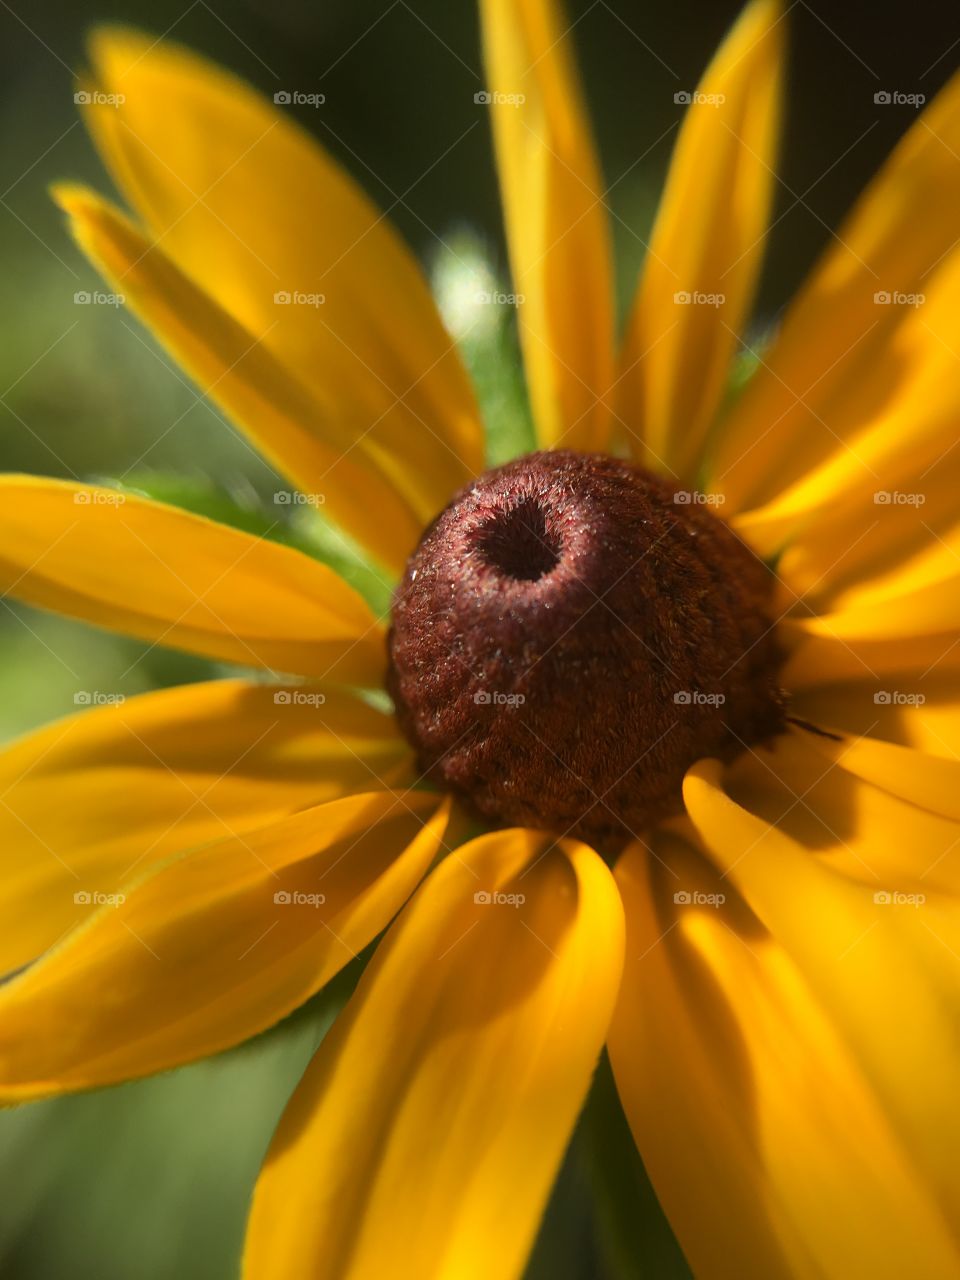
(603, 1219)
(637, 1239)
(153, 1179)
(473, 297)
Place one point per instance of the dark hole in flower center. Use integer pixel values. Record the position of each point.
(518, 543)
(572, 635)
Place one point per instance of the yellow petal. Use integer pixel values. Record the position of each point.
(771, 1149)
(898, 664)
(704, 257)
(882, 965)
(888, 540)
(214, 946)
(99, 798)
(903, 620)
(868, 832)
(929, 781)
(860, 376)
(249, 207)
(899, 610)
(156, 572)
(918, 708)
(556, 219)
(892, 416)
(423, 1139)
(306, 438)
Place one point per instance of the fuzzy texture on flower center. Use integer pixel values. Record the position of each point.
(570, 636)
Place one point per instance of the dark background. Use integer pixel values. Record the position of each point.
(150, 1181)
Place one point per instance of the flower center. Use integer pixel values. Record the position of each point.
(570, 636)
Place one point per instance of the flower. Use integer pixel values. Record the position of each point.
(774, 968)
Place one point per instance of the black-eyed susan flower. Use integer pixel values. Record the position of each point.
(693, 665)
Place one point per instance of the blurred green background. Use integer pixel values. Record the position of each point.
(150, 1181)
